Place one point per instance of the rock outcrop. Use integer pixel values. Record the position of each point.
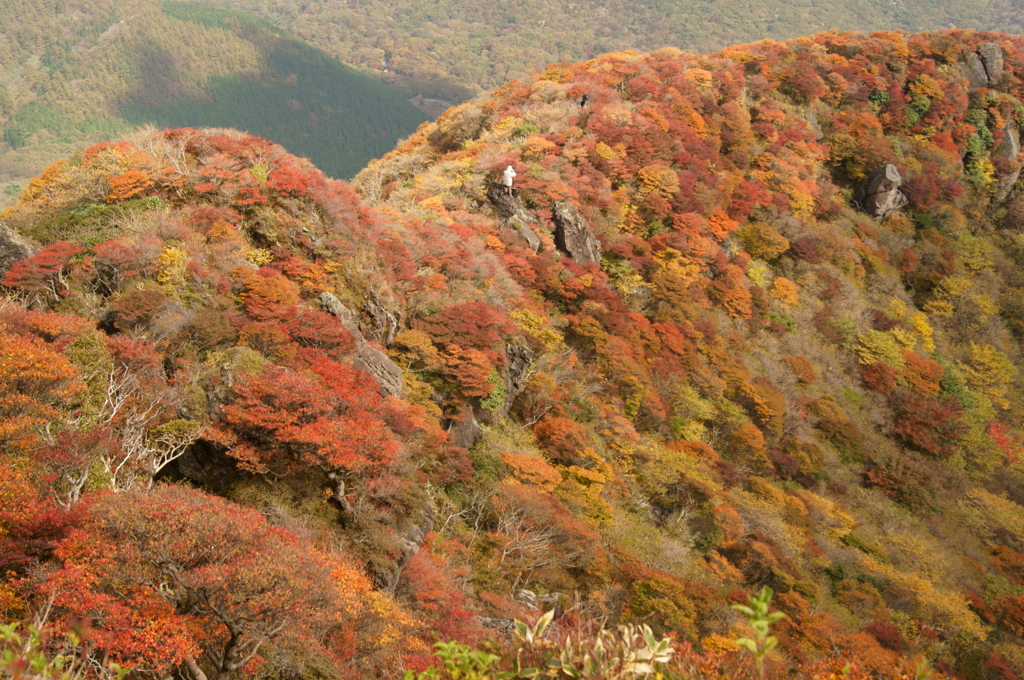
(880, 194)
(386, 372)
(532, 600)
(974, 71)
(409, 539)
(992, 60)
(518, 357)
(983, 68)
(386, 321)
(12, 247)
(464, 433)
(573, 235)
(512, 214)
(502, 626)
(1009, 149)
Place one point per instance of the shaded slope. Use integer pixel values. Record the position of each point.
(80, 73)
(303, 99)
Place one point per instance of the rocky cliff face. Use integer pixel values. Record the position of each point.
(514, 216)
(375, 362)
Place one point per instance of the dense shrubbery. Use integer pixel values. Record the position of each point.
(756, 385)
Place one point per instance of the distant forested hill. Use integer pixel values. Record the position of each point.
(74, 72)
(431, 48)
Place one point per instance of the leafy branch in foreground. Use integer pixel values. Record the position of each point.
(626, 653)
(760, 620)
(24, 656)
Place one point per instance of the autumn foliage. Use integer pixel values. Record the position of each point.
(259, 422)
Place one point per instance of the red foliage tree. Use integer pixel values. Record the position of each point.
(136, 310)
(928, 424)
(888, 635)
(44, 276)
(116, 261)
(922, 375)
(730, 291)
(560, 437)
(432, 594)
(1008, 441)
(1011, 563)
(534, 531)
(329, 419)
(1011, 613)
(30, 524)
(879, 377)
(56, 330)
(267, 293)
(469, 370)
(320, 330)
(477, 325)
(175, 573)
(904, 480)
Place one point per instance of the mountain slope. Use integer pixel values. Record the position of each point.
(80, 73)
(481, 45)
(753, 319)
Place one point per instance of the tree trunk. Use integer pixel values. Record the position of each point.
(194, 670)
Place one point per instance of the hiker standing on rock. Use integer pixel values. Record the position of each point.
(508, 178)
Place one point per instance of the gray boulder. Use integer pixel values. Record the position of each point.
(880, 194)
(386, 321)
(992, 59)
(525, 228)
(13, 248)
(386, 372)
(1009, 150)
(464, 433)
(513, 215)
(974, 71)
(503, 626)
(517, 369)
(573, 235)
(1011, 142)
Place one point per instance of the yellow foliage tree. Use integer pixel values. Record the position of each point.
(762, 240)
(920, 323)
(674, 276)
(877, 347)
(993, 519)
(947, 294)
(990, 372)
(944, 609)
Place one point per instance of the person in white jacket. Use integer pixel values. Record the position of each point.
(508, 178)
